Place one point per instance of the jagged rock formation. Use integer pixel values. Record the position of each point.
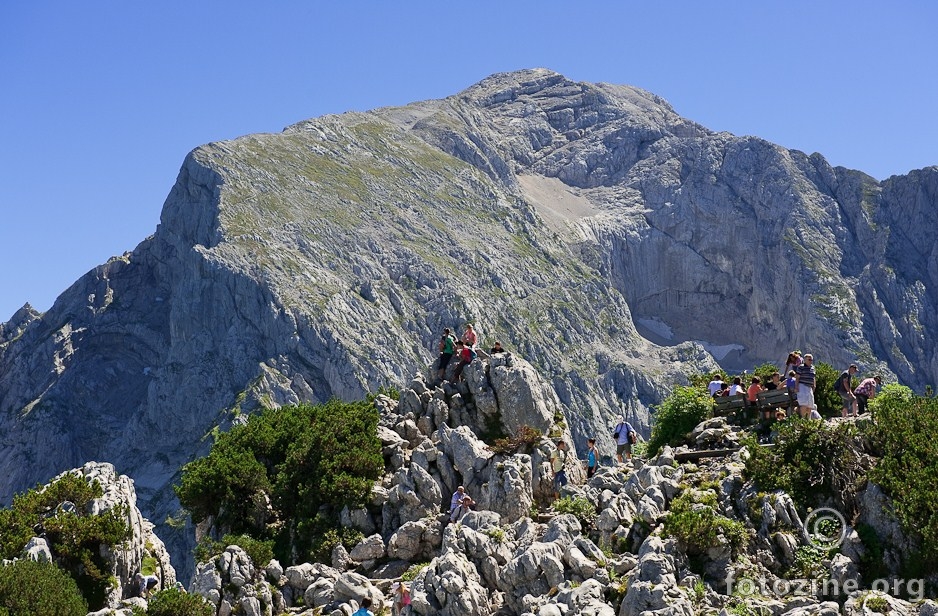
(125, 559)
(623, 560)
(325, 260)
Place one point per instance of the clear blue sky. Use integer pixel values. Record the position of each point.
(100, 101)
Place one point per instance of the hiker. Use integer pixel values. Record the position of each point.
(466, 354)
(772, 429)
(716, 385)
(459, 499)
(497, 348)
(794, 360)
(844, 386)
(143, 584)
(401, 605)
(558, 460)
(737, 387)
(447, 348)
(591, 461)
(363, 610)
(752, 394)
(774, 383)
(465, 506)
(469, 337)
(805, 379)
(866, 391)
(625, 435)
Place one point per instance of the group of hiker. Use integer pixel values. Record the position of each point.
(801, 382)
(465, 349)
(625, 436)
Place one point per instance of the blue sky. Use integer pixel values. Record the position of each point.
(100, 101)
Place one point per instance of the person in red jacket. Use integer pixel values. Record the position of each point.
(465, 354)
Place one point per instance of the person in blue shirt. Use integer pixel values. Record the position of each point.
(363, 610)
(591, 462)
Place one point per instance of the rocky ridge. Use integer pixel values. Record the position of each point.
(509, 558)
(506, 559)
(585, 225)
(515, 555)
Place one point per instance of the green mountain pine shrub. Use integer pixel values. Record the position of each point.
(903, 434)
(29, 587)
(817, 463)
(260, 552)
(174, 602)
(74, 536)
(677, 415)
(286, 474)
(693, 519)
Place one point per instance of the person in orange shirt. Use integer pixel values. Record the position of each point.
(751, 394)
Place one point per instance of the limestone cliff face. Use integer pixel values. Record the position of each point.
(324, 261)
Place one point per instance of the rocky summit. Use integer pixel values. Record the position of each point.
(611, 243)
(684, 532)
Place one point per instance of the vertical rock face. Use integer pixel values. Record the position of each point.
(325, 261)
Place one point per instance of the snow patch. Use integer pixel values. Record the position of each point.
(657, 327)
(720, 351)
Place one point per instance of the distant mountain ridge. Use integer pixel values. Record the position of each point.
(325, 260)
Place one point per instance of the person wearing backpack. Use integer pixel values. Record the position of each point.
(843, 386)
(558, 461)
(625, 435)
(447, 348)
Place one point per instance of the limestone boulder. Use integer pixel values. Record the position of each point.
(510, 492)
(450, 586)
(416, 539)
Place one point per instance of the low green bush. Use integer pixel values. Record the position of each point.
(28, 587)
(74, 536)
(175, 602)
(524, 440)
(260, 552)
(286, 473)
(903, 432)
(813, 461)
(583, 509)
(829, 402)
(694, 521)
(677, 415)
(413, 571)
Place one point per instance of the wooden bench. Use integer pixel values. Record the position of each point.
(775, 399)
(731, 407)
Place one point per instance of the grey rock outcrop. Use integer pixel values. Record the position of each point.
(617, 555)
(127, 559)
(599, 251)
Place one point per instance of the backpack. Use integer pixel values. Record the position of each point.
(472, 354)
(839, 383)
(449, 344)
(633, 437)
